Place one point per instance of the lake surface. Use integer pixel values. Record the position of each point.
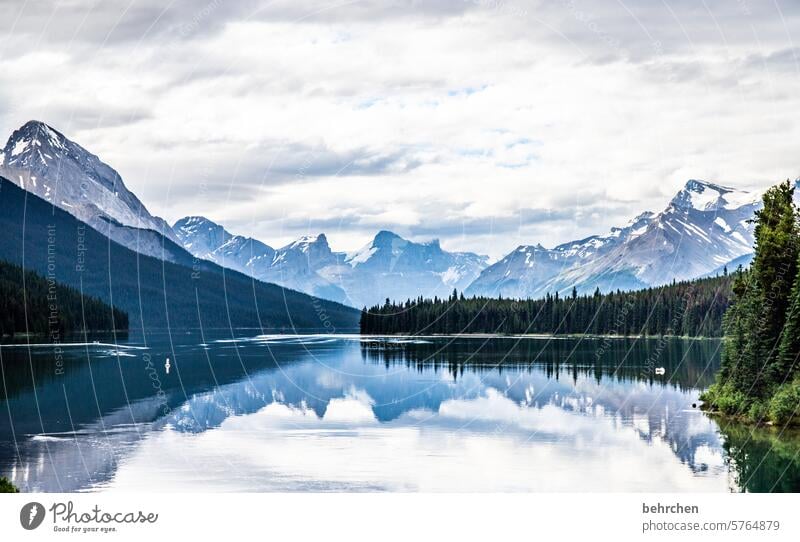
(344, 413)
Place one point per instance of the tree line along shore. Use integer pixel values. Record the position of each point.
(756, 311)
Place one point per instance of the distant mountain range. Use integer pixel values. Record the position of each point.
(388, 266)
(294, 266)
(704, 228)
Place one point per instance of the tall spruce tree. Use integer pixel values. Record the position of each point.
(775, 269)
(740, 367)
(754, 325)
(789, 355)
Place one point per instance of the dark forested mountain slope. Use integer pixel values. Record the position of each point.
(154, 293)
(30, 303)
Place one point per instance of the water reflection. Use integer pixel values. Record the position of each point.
(762, 460)
(338, 413)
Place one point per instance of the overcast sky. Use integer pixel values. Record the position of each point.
(485, 123)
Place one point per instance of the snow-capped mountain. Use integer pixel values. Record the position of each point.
(44, 162)
(308, 252)
(201, 236)
(529, 269)
(294, 266)
(393, 267)
(388, 266)
(210, 241)
(302, 264)
(704, 227)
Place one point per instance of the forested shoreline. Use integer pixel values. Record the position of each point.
(33, 304)
(759, 379)
(691, 308)
(756, 311)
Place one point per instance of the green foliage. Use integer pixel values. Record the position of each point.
(691, 308)
(789, 352)
(726, 399)
(777, 243)
(784, 407)
(6, 486)
(758, 412)
(741, 367)
(30, 303)
(758, 376)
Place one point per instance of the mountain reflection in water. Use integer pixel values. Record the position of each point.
(321, 413)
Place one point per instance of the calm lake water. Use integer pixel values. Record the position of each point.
(343, 413)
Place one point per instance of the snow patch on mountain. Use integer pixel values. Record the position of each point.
(388, 266)
(705, 224)
(46, 163)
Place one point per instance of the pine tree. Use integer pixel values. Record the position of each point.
(740, 364)
(762, 326)
(653, 311)
(774, 270)
(789, 354)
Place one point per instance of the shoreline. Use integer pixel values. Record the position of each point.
(19, 338)
(542, 336)
(767, 425)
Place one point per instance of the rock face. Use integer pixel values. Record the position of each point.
(44, 162)
(394, 267)
(704, 227)
(301, 265)
(388, 266)
(201, 236)
(530, 270)
(210, 241)
(294, 266)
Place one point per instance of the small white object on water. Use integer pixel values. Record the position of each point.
(167, 366)
(660, 371)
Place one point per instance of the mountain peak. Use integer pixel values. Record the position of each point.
(385, 237)
(34, 143)
(704, 196)
(37, 126)
(320, 238)
(200, 235)
(434, 243)
(193, 221)
(46, 163)
(306, 240)
(195, 225)
(696, 185)
(37, 129)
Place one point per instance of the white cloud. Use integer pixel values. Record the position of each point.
(485, 124)
(284, 448)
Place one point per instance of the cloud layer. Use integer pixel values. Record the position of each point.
(488, 123)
